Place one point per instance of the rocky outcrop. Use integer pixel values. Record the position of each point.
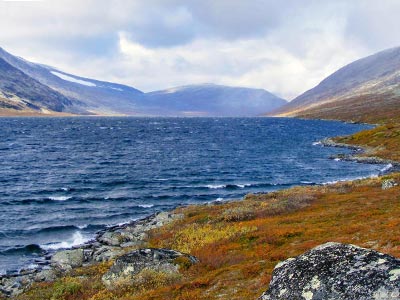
(335, 271)
(128, 266)
(15, 285)
(328, 142)
(133, 234)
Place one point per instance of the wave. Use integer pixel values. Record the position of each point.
(307, 182)
(76, 240)
(350, 179)
(60, 198)
(51, 199)
(216, 186)
(228, 186)
(55, 228)
(23, 250)
(386, 168)
(146, 205)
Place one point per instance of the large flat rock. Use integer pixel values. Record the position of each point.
(335, 271)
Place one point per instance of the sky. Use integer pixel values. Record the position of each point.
(285, 47)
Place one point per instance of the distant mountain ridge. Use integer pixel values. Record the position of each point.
(214, 100)
(368, 86)
(80, 95)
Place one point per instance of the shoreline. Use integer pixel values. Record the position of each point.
(116, 240)
(355, 156)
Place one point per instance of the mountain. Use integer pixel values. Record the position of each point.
(20, 92)
(367, 89)
(86, 95)
(63, 92)
(212, 100)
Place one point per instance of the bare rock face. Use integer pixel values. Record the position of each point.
(127, 266)
(335, 271)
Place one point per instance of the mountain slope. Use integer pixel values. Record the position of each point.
(92, 96)
(367, 88)
(212, 100)
(18, 91)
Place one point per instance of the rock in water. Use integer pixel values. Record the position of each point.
(335, 271)
(127, 266)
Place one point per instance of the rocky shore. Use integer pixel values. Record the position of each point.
(108, 244)
(357, 151)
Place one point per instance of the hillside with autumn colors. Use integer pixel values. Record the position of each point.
(367, 90)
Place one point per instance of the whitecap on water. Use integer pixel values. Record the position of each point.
(76, 240)
(59, 198)
(216, 186)
(146, 205)
(386, 168)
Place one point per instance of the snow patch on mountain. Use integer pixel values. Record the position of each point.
(72, 79)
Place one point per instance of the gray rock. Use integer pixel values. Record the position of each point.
(336, 271)
(127, 266)
(106, 253)
(111, 238)
(13, 286)
(46, 275)
(388, 184)
(68, 259)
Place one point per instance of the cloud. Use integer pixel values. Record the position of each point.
(284, 48)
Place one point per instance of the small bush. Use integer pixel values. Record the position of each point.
(103, 295)
(195, 236)
(183, 262)
(66, 287)
(150, 279)
(240, 213)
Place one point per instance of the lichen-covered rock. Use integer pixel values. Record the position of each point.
(127, 266)
(388, 184)
(68, 259)
(105, 253)
(335, 271)
(46, 275)
(111, 238)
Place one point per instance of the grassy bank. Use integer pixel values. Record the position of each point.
(382, 141)
(239, 243)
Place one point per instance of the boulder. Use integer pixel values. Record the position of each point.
(127, 266)
(46, 275)
(335, 271)
(111, 238)
(388, 184)
(105, 253)
(68, 259)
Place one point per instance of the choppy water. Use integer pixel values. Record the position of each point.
(62, 179)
